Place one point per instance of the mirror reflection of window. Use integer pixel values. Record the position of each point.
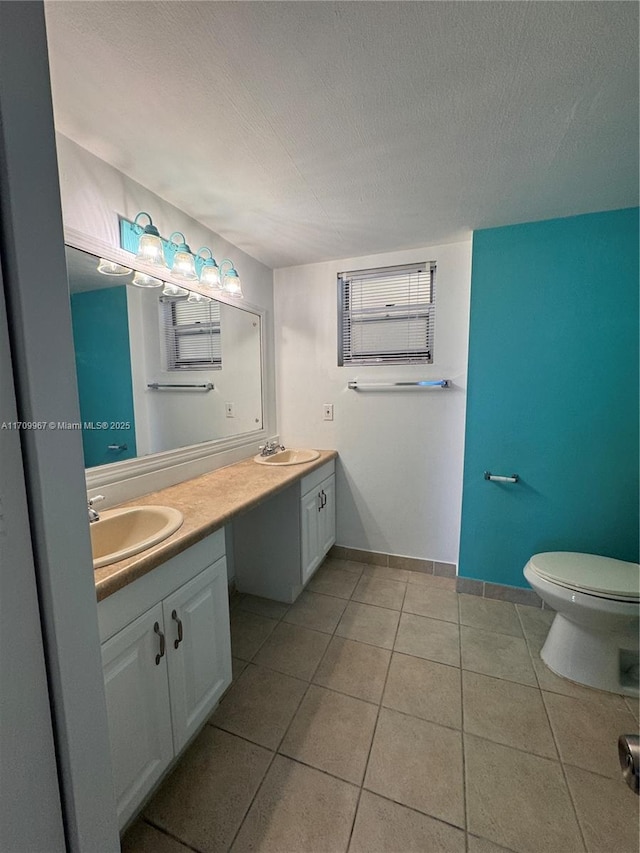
(191, 333)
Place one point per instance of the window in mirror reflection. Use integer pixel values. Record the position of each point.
(191, 333)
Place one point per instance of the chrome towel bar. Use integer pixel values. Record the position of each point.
(354, 385)
(497, 478)
(158, 386)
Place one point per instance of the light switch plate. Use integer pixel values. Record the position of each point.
(228, 410)
(327, 411)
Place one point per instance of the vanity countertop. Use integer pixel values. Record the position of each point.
(207, 503)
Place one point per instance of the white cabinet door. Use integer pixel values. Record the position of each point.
(318, 525)
(327, 515)
(309, 521)
(196, 617)
(137, 693)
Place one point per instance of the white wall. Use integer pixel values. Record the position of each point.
(93, 195)
(399, 483)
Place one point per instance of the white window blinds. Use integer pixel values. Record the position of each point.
(387, 315)
(191, 333)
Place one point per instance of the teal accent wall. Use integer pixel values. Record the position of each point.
(103, 365)
(552, 394)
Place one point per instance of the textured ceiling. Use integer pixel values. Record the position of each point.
(304, 131)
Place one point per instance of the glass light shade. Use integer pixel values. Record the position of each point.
(232, 284)
(141, 279)
(197, 297)
(150, 250)
(174, 290)
(210, 275)
(184, 266)
(112, 268)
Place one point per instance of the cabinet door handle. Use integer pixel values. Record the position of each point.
(157, 630)
(319, 501)
(177, 619)
(324, 499)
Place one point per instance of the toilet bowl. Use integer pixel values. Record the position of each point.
(594, 636)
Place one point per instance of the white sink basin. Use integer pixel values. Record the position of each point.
(288, 457)
(122, 533)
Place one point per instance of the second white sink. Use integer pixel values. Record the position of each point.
(122, 533)
(288, 457)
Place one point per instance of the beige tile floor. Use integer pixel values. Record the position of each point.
(385, 713)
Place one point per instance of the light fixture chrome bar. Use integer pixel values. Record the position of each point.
(158, 386)
(497, 478)
(418, 383)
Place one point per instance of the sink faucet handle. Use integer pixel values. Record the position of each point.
(93, 515)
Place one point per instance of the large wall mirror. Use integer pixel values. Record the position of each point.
(156, 372)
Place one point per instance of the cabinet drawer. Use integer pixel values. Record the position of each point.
(312, 480)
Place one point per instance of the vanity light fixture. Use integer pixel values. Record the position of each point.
(173, 290)
(184, 266)
(210, 271)
(230, 280)
(150, 249)
(141, 279)
(198, 298)
(112, 268)
(176, 255)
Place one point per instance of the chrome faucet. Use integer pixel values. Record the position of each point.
(93, 515)
(270, 448)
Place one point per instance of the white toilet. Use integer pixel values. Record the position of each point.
(594, 636)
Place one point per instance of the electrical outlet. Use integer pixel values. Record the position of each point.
(327, 411)
(228, 410)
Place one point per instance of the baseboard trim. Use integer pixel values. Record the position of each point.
(468, 586)
(499, 592)
(394, 561)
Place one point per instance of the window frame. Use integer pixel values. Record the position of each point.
(171, 331)
(379, 358)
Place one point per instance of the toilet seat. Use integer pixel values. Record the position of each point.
(589, 574)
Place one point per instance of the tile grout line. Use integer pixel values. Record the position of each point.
(274, 752)
(535, 686)
(462, 733)
(262, 642)
(333, 634)
(544, 705)
(277, 752)
(404, 714)
(340, 778)
(312, 676)
(176, 838)
(564, 773)
(375, 727)
(460, 625)
(555, 740)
